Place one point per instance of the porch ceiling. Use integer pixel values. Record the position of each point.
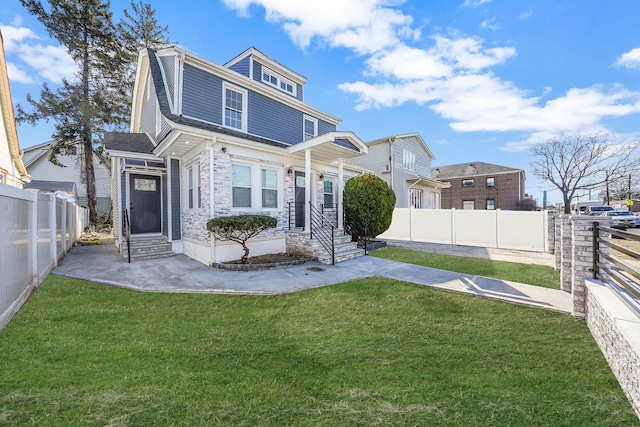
(330, 147)
(178, 143)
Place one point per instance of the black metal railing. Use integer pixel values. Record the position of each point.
(126, 227)
(619, 274)
(296, 215)
(356, 227)
(323, 231)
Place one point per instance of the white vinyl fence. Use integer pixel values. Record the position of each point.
(485, 228)
(36, 230)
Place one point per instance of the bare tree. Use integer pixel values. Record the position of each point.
(577, 163)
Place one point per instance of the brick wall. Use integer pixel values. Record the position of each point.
(507, 192)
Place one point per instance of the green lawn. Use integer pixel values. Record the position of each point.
(538, 275)
(372, 352)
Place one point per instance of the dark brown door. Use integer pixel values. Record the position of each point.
(299, 202)
(145, 204)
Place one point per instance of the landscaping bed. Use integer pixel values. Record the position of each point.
(265, 262)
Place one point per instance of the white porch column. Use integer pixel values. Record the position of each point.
(307, 190)
(340, 185)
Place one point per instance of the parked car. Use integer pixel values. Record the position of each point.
(622, 220)
(597, 210)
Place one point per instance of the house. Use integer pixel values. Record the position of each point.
(68, 189)
(36, 159)
(12, 169)
(209, 140)
(404, 162)
(480, 185)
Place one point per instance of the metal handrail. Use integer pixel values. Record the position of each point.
(619, 276)
(355, 227)
(330, 210)
(292, 213)
(126, 225)
(324, 231)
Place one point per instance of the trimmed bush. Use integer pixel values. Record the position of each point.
(240, 228)
(368, 206)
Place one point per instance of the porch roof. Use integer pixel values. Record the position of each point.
(331, 146)
(427, 182)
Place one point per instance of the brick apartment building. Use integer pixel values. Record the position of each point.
(479, 185)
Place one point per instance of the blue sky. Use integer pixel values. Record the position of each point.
(480, 80)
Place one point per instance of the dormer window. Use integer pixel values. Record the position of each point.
(274, 79)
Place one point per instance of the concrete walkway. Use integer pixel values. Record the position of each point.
(103, 264)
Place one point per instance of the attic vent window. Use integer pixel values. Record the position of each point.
(274, 79)
(467, 183)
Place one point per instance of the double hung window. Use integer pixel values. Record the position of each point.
(269, 188)
(241, 186)
(491, 204)
(235, 108)
(310, 127)
(194, 188)
(329, 199)
(408, 160)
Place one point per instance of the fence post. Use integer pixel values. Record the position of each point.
(584, 230)
(565, 253)
(497, 214)
(33, 238)
(53, 229)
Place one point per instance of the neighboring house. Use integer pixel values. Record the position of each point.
(12, 169)
(209, 140)
(404, 162)
(67, 188)
(36, 159)
(479, 185)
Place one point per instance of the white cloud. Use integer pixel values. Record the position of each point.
(362, 25)
(526, 15)
(490, 24)
(27, 59)
(630, 59)
(18, 75)
(451, 73)
(475, 3)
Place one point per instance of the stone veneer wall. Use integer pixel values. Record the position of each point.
(617, 331)
(615, 328)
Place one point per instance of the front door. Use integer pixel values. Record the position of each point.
(300, 184)
(144, 204)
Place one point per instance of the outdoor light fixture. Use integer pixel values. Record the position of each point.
(224, 149)
(321, 176)
(290, 172)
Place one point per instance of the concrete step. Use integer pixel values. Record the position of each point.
(341, 256)
(147, 248)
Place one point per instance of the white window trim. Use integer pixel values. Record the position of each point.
(197, 196)
(256, 188)
(245, 99)
(315, 126)
(279, 80)
(408, 160)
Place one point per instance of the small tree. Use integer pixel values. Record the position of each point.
(240, 228)
(368, 206)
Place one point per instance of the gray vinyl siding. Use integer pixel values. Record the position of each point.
(168, 65)
(299, 93)
(257, 71)
(148, 122)
(175, 199)
(165, 128)
(123, 197)
(165, 204)
(243, 66)
(324, 127)
(202, 95)
(103, 205)
(266, 117)
(270, 119)
(423, 162)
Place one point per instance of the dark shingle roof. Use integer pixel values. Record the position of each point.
(51, 186)
(131, 142)
(163, 100)
(469, 169)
